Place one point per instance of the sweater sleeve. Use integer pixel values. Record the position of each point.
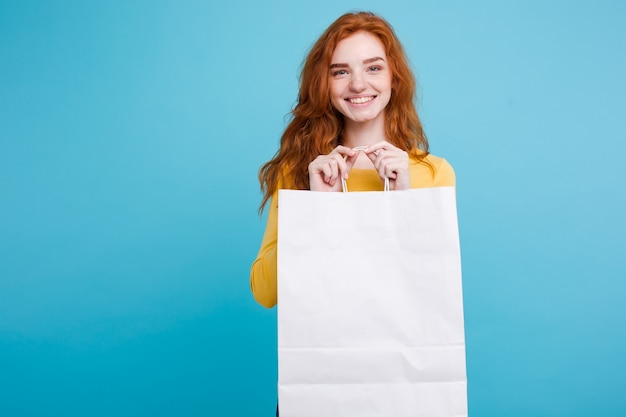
(263, 271)
(444, 174)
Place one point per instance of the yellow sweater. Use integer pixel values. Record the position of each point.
(263, 271)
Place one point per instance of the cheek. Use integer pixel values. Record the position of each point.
(337, 105)
(335, 94)
(334, 88)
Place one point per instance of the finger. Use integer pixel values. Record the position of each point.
(379, 157)
(382, 145)
(391, 166)
(398, 165)
(317, 166)
(344, 165)
(391, 157)
(331, 169)
(373, 156)
(344, 151)
(326, 172)
(391, 171)
(334, 169)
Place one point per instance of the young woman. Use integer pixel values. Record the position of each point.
(355, 120)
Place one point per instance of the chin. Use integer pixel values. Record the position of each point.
(362, 118)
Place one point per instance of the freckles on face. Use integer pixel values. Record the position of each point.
(360, 77)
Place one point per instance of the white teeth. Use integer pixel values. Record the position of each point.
(360, 100)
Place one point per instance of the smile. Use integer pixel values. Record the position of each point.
(360, 100)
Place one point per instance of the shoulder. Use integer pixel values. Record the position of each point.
(286, 178)
(431, 171)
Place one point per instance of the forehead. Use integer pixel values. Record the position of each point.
(358, 46)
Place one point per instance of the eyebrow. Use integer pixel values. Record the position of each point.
(365, 61)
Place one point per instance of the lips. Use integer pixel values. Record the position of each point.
(360, 100)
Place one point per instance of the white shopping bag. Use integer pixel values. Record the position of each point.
(370, 307)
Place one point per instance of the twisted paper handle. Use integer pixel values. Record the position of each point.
(344, 186)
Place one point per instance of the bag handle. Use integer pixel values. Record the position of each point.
(344, 185)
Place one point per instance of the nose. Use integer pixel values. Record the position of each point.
(357, 83)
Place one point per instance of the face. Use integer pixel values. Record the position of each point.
(360, 78)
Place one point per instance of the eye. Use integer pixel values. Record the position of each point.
(339, 73)
(374, 68)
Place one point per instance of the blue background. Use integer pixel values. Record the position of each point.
(131, 133)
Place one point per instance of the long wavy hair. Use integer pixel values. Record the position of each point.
(315, 127)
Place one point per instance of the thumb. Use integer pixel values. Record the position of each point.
(372, 155)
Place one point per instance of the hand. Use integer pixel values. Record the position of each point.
(390, 162)
(326, 171)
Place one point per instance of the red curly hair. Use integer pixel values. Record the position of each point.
(316, 126)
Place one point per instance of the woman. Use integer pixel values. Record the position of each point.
(355, 122)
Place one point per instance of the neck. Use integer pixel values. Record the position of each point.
(363, 133)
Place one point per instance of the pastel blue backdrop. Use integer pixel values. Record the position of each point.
(131, 133)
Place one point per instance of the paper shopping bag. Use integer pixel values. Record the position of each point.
(370, 308)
